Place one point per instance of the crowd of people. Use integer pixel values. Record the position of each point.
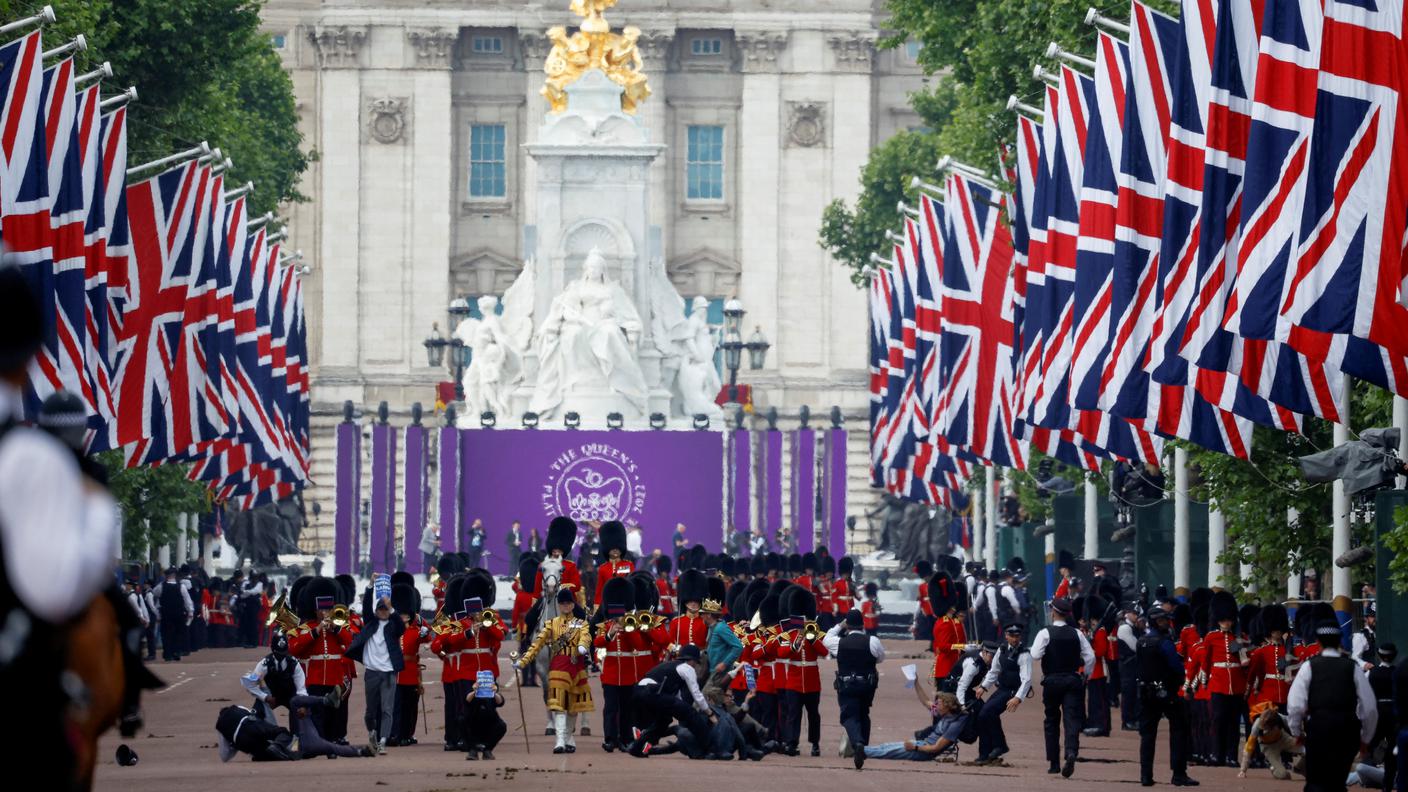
(717, 658)
(183, 610)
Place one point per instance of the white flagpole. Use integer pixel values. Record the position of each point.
(1181, 577)
(44, 17)
(1093, 17)
(185, 156)
(114, 102)
(103, 72)
(79, 44)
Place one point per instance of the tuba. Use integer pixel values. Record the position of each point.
(283, 618)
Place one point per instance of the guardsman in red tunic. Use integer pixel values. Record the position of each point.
(948, 637)
(689, 628)
(449, 565)
(1268, 677)
(807, 578)
(870, 608)
(523, 598)
(446, 645)
(320, 645)
(923, 628)
(406, 600)
(665, 587)
(760, 653)
(843, 595)
(613, 562)
(556, 570)
(625, 658)
(1224, 666)
(800, 648)
(825, 591)
(1090, 614)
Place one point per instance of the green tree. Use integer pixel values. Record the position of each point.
(150, 499)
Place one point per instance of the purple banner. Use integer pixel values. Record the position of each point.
(835, 492)
(417, 490)
(741, 471)
(347, 520)
(770, 508)
(383, 517)
(804, 489)
(449, 487)
(652, 478)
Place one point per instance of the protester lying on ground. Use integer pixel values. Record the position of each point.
(937, 740)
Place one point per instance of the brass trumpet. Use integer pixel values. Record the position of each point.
(444, 625)
(338, 617)
(630, 622)
(811, 631)
(488, 618)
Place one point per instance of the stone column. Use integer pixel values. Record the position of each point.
(759, 154)
(339, 52)
(654, 48)
(534, 47)
(430, 141)
(853, 137)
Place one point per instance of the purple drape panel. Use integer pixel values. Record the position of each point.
(449, 488)
(804, 489)
(416, 492)
(348, 499)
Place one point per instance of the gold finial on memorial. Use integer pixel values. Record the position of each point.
(594, 46)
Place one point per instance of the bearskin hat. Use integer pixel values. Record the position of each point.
(618, 595)
(809, 562)
(1245, 617)
(528, 574)
(405, 598)
(716, 588)
(728, 565)
(562, 534)
(943, 593)
(1222, 607)
(799, 602)
(1064, 560)
(1017, 565)
(480, 584)
(871, 589)
(454, 594)
(693, 586)
(752, 604)
(294, 591)
(794, 564)
(923, 569)
(663, 565)
(734, 602)
(778, 586)
(448, 566)
(312, 591)
(758, 566)
(1274, 618)
(828, 565)
(774, 562)
(770, 610)
(1201, 615)
(612, 536)
(403, 577)
(953, 565)
(698, 557)
(1199, 597)
(646, 594)
(845, 566)
(348, 584)
(1182, 616)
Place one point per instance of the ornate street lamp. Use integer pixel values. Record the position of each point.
(733, 345)
(436, 345)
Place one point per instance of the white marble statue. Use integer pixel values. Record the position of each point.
(497, 364)
(588, 343)
(698, 379)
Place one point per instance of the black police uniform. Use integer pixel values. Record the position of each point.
(856, 679)
(1160, 678)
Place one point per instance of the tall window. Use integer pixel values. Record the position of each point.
(705, 163)
(486, 161)
(487, 45)
(706, 46)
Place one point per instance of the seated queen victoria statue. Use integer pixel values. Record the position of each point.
(588, 344)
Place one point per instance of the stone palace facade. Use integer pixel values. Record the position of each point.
(422, 191)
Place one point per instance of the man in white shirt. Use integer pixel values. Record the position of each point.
(1332, 707)
(635, 541)
(378, 648)
(1127, 634)
(1063, 651)
(1006, 685)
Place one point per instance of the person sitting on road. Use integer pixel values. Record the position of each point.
(938, 740)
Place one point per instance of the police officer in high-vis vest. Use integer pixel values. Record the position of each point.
(1331, 708)
(1065, 657)
(857, 657)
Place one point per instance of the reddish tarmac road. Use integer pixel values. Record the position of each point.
(177, 750)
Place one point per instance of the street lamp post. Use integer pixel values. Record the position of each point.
(436, 345)
(733, 346)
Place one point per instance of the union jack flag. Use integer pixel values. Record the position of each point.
(1328, 207)
(881, 293)
(977, 326)
(97, 324)
(1273, 371)
(1126, 389)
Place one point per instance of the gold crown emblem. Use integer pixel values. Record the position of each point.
(711, 606)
